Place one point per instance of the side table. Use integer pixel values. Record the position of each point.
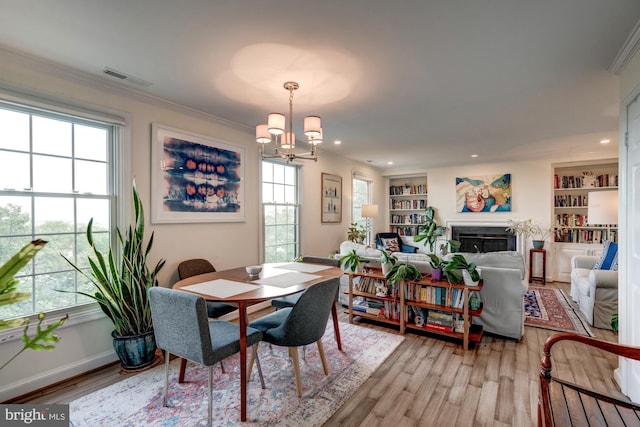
(533, 254)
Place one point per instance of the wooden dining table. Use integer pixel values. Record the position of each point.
(236, 287)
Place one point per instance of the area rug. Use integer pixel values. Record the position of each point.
(549, 308)
(137, 401)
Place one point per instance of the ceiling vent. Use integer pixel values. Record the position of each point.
(126, 77)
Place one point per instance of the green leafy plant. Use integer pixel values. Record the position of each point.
(387, 257)
(403, 271)
(352, 260)
(121, 287)
(430, 231)
(436, 262)
(8, 295)
(356, 233)
(454, 268)
(614, 322)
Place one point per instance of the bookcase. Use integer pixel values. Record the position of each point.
(571, 187)
(407, 202)
(436, 307)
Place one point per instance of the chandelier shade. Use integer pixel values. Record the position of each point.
(276, 129)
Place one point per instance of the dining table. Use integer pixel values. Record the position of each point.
(236, 287)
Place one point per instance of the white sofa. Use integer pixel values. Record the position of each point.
(595, 291)
(504, 285)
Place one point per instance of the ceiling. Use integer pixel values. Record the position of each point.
(423, 83)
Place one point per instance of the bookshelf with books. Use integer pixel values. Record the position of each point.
(436, 307)
(407, 202)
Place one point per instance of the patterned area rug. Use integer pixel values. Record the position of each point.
(137, 401)
(549, 308)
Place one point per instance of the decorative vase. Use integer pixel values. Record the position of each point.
(135, 351)
(436, 274)
(466, 276)
(538, 244)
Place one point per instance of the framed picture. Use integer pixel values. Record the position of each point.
(484, 193)
(331, 198)
(195, 178)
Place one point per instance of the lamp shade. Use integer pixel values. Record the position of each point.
(312, 126)
(369, 211)
(602, 207)
(316, 139)
(288, 140)
(275, 123)
(262, 134)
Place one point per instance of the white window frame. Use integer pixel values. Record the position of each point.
(122, 182)
(356, 208)
(298, 173)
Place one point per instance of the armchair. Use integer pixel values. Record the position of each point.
(595, 291)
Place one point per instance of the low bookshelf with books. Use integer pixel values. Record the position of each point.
(435, 307)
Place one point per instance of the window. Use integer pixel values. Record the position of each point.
(361, 196)
(280, 211)
(57, 173)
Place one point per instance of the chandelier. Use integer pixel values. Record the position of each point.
(285, 140)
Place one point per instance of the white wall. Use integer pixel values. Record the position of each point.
(227, 245)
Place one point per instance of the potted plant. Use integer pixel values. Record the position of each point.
(459, 270)
(356, 233)
(527, 229)
(351, 261)
(402, 271)
(437, 266)
(387, 260)
(430, 231)
(121, 290)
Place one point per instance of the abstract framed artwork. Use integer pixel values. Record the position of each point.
(331, 204)
(195, 178)
(484, 193)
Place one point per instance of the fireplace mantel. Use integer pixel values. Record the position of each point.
(483, 235)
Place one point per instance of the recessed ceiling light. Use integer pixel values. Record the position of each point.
(605, 141)
(474, 155)
(337, 142)
(389, 163)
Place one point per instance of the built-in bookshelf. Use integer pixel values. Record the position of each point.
(407, 202)
(426, 305)
(571, 187)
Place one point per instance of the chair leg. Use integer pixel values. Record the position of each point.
(322, 358)
(166, 379)
(210, 397)
(293, 352)
(336, 328)
(254, 354)
(183, 368)
(222, 367)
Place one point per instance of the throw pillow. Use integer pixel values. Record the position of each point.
(391, 244)
(609, 258)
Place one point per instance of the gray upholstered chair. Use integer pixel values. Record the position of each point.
(181, 327)
(291, 300)
(194, 267)
(300, 325)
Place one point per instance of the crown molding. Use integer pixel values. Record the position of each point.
(68, 73)
(629, 48)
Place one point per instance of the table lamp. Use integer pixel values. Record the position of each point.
(369, 211)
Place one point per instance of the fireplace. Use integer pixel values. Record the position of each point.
(482, 238)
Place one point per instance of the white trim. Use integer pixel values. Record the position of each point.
(629, 48)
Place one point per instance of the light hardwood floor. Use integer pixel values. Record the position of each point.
(431, 382)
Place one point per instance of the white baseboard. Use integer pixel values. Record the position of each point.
(42, 379)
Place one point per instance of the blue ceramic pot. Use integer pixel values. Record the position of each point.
(136, 351)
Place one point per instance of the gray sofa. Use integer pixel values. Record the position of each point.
(504, 285)
(595, 291)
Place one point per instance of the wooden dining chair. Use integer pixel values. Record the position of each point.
(194, 267)
(291, 300)
(300, 325)
(181, 327)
